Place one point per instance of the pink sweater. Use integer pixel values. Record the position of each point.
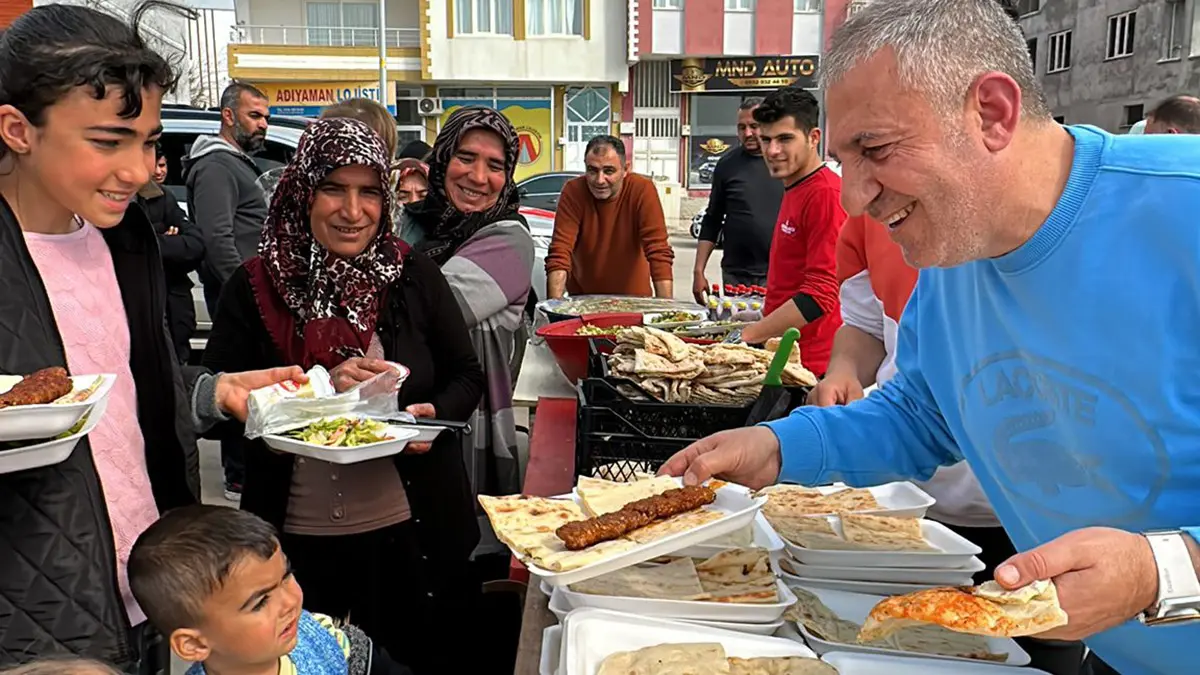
(77, 270)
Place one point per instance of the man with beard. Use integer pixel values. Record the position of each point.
(228, 207)
(742, 206)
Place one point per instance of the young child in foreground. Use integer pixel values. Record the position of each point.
(215, 582)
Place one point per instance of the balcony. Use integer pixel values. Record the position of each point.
(316, 36)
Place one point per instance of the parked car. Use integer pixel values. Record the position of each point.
(181, 127)
(541, 191)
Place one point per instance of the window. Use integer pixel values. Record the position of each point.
(1120, 35)
(739, 5)
(668, 4)
(808, 6)
(1061, 119)
(1133, 115)
(483, 16)
(1059, 57)
(1031, 46)
(714, 132)
(1172, 31)
(554, 17)
(343, 24)
(1028, 6)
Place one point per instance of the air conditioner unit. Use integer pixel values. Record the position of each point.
(429, 107)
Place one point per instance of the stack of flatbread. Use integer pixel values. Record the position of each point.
(675, 371)
(741, 576)
(987, 609)
(796, 500)
(527, 524)
(819, 620)
(853, 532)
(706, 659)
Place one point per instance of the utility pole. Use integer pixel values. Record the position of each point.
(383, 74)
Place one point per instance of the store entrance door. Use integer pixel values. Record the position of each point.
(589, 114)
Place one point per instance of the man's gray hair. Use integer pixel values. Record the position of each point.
(941, 46)
(750, 103)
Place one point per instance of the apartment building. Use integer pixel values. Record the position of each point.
(555, 68)
(694, 61)
(1107, 62)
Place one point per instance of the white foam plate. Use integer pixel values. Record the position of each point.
(764, 537)
(900, 499)
(425, 434)
(686, 609)
(559, 607)
(734, 502)
(953, 551)
(592, 635)
(857, 663)
(904, 575)
(45, 421)
(551, 646)
(856, 606)
(867, 587)
(362, 453)
(52, 451)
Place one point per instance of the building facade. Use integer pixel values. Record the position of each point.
(694, 61)
(1107, 62)
(555, 68)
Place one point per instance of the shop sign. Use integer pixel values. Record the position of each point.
(308, 99)
(696, 75)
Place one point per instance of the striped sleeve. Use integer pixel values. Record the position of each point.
(491, 271)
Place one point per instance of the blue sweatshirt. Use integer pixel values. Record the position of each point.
(1067, 373)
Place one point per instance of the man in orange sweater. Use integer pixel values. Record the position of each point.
(610, 236)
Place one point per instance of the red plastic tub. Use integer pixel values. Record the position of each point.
(571, 350)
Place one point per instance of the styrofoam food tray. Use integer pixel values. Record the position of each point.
(425, 434)
(953, 551)
(867, 587)
(551, 646)
(738, 509)
(687, 609)
(900, 499)
(961, 576)
(400, 438)
(764, 537)
(592, 635)
(859, 663)
(53, 451)
(856, 606)
(560, 608)
(45, 421)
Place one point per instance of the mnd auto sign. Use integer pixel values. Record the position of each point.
(308, 99)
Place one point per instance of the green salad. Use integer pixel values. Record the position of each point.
(342, 432)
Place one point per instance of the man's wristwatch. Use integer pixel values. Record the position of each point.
(1178, 586)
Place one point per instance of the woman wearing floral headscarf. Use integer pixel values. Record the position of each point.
(384, 542)
(468, 224)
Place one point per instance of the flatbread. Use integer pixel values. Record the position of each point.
(813, 532)
(666, 344)
(673, 525)
(793, 500)
(527, 525)
(994, 612)
(884, 533)
(669, 659)
(676, 580)
(780, 665)
(741, 575)
(819, 620)
(605, 496)
(655, 365)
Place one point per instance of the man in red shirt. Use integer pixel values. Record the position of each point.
(802, 286)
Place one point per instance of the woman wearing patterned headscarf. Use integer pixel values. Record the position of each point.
(468, 223)
(385, 542)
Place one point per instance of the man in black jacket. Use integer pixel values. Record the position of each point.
(743, 205)
(227, 205)
(182, 248)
